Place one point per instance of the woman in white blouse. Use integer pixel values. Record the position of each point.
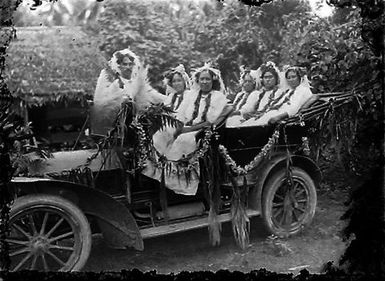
(201, 107)
(248, 81)
(292, 101)
(177, 83)
(259, 102)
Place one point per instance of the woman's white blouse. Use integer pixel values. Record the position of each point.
(254, 98)
(186, 109)
(177, 101)
(239, 100)
(300, 96)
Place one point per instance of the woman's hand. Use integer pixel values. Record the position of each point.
(274, 120)
(182, 130)
(178, 131)
(248, 115)
(187, 129)
(235, 113)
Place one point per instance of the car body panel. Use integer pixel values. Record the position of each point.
(123, 230)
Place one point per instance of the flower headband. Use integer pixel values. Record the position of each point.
(119, 55)
(215, 73)
(300, 70)
(182, 72)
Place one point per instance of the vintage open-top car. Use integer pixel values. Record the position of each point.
(62, 203)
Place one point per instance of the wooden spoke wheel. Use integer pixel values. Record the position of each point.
(286, 208)
(48, 233)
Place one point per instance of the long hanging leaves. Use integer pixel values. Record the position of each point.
(158, 117)
(240, 220)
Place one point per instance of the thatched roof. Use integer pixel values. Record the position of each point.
(46, 64)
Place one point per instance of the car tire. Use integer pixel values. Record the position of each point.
(48, 233)
(285, 211)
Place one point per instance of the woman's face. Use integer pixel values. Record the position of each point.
(205, 81)
(126, 67)
(248, 83)
(178, 83)
(292, 79)
(269, 80)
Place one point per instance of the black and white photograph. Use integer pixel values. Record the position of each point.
(192, 135)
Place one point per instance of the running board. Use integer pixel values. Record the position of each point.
(187, 225)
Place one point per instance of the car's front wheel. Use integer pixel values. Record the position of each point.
(48, 233)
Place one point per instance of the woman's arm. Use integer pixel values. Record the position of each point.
(188, 129)
(196, 127)
(227, 111)
(248, 109)
(278, 118)
(309, 102)
(300, 97)
(237, 112)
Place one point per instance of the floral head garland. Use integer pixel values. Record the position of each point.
(270, 67)
(254, 74)
(216, 75)
(118, 57)
(300, 71)
(177, 70)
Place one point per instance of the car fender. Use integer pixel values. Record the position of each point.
(116, 221)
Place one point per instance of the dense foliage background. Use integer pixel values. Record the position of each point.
(229, 33)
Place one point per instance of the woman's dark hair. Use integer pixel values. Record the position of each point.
(296, 71)
(120, 57)
(216, 85)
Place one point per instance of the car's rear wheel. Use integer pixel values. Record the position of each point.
(286, 209)
(48, 233)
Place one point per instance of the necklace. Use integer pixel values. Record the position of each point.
(197, 106)
(208, 103)
(259, 113)
(241, 100)
(260, 99)
(173, 100)
(238, 99)
(181, 96)
(279, 102)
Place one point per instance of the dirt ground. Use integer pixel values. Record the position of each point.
(190, 251)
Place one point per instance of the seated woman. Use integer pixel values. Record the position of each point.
(259, 102)
(248, 81)
(291, 102)
(201, 107)
(177, 83)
